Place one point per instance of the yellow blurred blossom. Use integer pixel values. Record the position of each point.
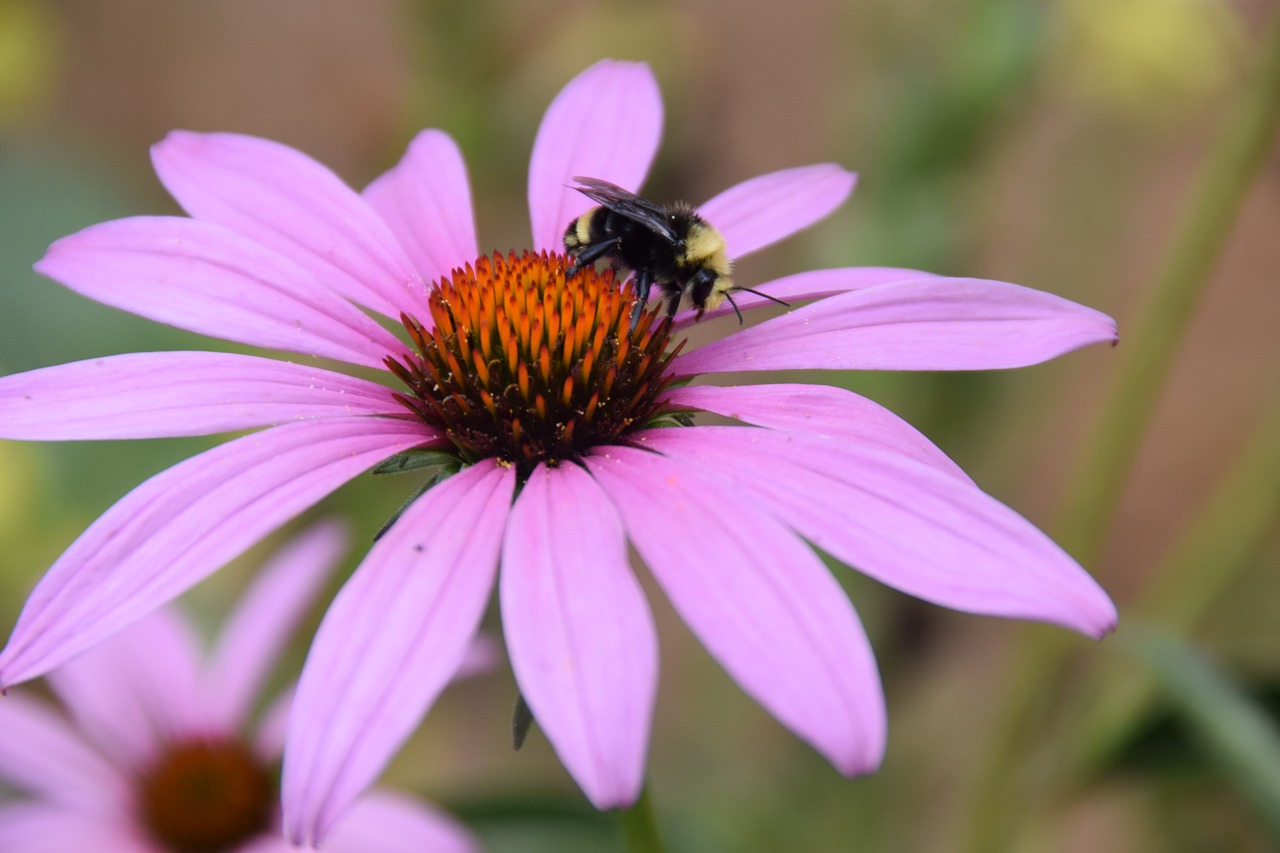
(1146, 58)
(28, 57)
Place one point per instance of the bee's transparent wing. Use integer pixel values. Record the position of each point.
(628, 204)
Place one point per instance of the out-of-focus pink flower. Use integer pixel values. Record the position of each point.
(570, 434)
(156, 752)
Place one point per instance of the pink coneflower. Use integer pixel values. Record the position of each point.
(566, 431)
(156, 755)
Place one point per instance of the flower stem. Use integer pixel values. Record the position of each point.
(639, 827)
(1002, 793)
(1147, 356)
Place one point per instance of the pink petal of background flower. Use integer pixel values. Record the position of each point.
(255, 632)
(133, 693)
(391, 823)
(39, 828)
(41, 754)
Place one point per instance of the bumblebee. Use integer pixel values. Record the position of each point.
(669, 246)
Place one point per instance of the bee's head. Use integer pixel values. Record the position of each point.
(707, 288)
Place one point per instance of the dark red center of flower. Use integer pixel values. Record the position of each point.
(522, 364)
(206, 797)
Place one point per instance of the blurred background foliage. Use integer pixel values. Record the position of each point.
(1049, 142)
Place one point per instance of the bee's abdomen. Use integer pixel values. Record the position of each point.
(581, 231)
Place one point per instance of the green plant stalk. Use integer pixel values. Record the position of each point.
(639, 827)
(1000, 795)
(1146, 355)
(1234, 526)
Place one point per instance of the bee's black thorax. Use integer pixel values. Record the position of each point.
(638, 247)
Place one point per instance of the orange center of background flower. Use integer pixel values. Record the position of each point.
(206, 796)
(527, 366)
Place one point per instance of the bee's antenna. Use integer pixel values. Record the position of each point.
(735, 305)
(761, 295)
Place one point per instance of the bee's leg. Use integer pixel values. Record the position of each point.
(591, 254)
(641, 284)
(673, 303)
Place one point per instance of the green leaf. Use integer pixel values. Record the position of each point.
(1235, 732)
(415, 460)
(521, 722)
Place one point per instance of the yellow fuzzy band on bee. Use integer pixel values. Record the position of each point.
(705, 246)
(582, 228)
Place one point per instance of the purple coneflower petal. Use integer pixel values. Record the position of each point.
(389, 643)
(906, 524)
(200, 276)
(482, 656)
(426, 201)
(391, 823)
(772, 207)
(819, 410)
(164, 394)
(182, 524)
(286, 201)
(138, 690)
(606, 123)
(41, 828)
(39, 753)
(104, 705)
(927, 324)
(807, 286)
(579, 633)
(757, 597)
(262, 622)
(268, 844)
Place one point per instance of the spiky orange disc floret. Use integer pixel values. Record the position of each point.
(525, 366)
